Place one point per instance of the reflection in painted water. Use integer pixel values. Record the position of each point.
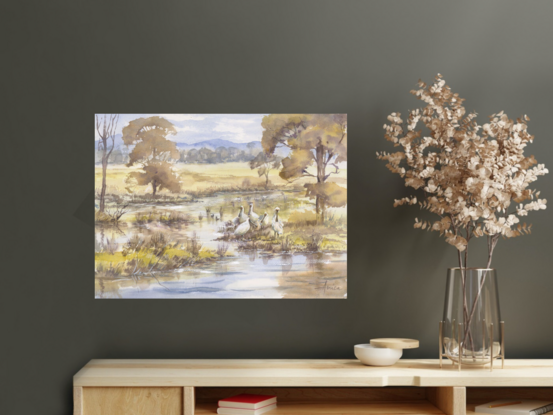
(251, 276)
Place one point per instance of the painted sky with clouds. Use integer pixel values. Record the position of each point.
(194, 128)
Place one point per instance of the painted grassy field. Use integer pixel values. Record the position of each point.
(196, 177)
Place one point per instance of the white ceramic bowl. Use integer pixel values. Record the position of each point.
(376, 356)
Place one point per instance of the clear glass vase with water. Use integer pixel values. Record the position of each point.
(471, 332)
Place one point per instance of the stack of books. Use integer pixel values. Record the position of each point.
(515, 407)
(246, 404)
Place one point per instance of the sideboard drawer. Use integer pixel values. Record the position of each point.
(132, 401)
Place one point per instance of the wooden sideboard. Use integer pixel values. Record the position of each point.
(177, 387)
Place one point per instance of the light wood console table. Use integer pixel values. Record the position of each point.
(177, 387)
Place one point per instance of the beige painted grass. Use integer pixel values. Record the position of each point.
(202, 176)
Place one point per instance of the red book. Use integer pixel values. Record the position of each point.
(247, 401)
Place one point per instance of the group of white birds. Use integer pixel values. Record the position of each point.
(242, 224)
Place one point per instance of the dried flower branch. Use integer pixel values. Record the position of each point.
(475, 178)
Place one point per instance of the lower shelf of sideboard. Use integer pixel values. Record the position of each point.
(334, 408)
(354, 401)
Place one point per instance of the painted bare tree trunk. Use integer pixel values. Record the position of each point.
(320, 150)
(106, 131)
(317, 208)
(103, 190)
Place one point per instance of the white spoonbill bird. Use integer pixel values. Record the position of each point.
(265, 221)
(259, 224)
(242, 229)
(277, 225)
(254, 217)
(241, 218)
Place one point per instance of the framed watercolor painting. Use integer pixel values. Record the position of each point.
(221, 206)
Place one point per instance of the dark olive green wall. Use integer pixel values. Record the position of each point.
(63, 61)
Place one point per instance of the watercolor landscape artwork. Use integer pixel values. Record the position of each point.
(221, 206)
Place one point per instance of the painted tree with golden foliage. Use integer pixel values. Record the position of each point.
(154, 152)
(264, 163)
(317, 143)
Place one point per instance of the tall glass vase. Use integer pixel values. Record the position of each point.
(471, 332)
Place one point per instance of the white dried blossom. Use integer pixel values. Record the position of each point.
(475, 178)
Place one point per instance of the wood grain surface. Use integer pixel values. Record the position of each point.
(308, 373)
(132, 401)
